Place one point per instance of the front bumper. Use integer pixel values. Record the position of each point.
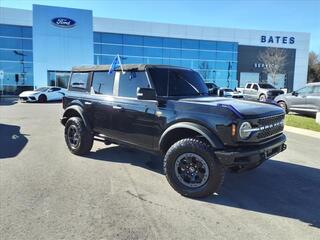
(28, 99)
(251, 156)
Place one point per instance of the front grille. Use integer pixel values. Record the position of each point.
(270, 126)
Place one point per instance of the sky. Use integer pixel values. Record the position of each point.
(282, 15)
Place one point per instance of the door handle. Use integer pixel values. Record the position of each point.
(87, 103)
(117, 107)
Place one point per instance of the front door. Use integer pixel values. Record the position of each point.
(133, 120)
(298, 99)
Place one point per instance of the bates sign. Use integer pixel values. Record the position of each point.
(277, 39)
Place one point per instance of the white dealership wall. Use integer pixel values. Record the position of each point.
(242, 36)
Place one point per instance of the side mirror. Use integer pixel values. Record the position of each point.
(146, 94)
(294, 93)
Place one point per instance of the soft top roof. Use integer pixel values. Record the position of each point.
(126, 67)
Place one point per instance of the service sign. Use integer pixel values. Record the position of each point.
(63, 22)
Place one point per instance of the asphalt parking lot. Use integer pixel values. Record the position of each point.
(118, 193)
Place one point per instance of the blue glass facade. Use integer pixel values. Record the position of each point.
(215, 60)
(16, 57)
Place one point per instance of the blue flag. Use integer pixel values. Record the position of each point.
(116, 63)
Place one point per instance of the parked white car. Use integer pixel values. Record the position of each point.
(43, 94)
(227, 92)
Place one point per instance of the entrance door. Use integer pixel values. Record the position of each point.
(58, 78)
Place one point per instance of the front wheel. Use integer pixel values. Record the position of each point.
(283, 105)
(192, 169)
(78, 138)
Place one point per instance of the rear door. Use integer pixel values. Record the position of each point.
(247, 91)
(101, 91)
(133, 120)
(255, 91)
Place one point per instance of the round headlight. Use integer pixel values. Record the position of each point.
(244, 130)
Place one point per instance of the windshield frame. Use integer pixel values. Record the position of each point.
(263, 85)
(197, 88)
(42, 89)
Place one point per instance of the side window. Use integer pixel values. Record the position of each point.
(102, 83)
(305, 90)
(55, 89)
(255, 87)
(316, 89)
(248, 85)
(79, 80)
(130, 81)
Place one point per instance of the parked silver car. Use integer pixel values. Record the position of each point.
(305, 100)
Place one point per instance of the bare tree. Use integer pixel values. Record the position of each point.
(273, 60)
(314, 67)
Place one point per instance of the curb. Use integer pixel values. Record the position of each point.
(301, 131)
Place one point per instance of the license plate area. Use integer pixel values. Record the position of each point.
(271, 152)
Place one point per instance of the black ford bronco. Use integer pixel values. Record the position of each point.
(168, 110)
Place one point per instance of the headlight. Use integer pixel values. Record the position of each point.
(244, 130)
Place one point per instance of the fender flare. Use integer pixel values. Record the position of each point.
(203, 131)
(80, 111)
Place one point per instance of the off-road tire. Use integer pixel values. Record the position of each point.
(85, 137)
(42, 98)
(201, 148)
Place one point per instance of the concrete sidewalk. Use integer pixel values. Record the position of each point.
(302, 131)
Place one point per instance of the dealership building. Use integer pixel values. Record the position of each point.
(39, 48)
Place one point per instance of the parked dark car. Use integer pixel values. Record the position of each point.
(167, 110)
(306, 100)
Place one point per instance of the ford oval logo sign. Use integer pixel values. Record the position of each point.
(63, 22)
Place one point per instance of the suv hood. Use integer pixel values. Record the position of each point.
(248, 109)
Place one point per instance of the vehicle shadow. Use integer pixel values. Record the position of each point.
(277, 188)
(120, 154)
(12, 141)
(8, 101)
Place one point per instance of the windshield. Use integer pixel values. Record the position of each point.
(177, 82)
(42, 89)
(228, 90)
(266, 85)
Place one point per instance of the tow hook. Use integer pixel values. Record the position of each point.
(283, 147)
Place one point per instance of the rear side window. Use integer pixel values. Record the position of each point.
(102, 83)
(316, 89)
(130, 81)
(255, 87)
(79, 80)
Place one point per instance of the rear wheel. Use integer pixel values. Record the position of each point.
(192, 169)
(262, 98)
(78, 138)
(42, 98)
